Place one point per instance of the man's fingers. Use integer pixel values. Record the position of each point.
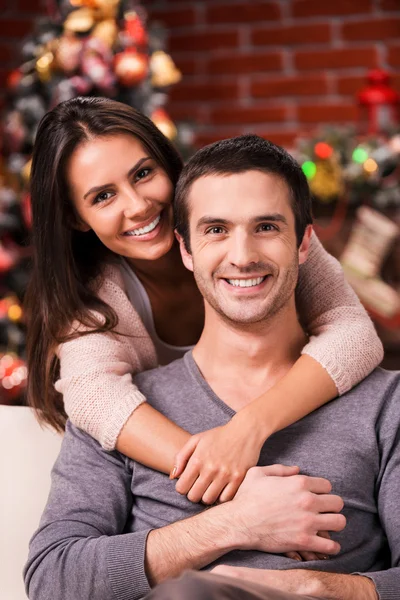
(330, 522)
(317, 485)
(183, 456)
(329, 503)
(322, 546)
(280, 470)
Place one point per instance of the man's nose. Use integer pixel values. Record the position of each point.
(242, 250)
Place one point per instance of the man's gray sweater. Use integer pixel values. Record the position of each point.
(91, 541)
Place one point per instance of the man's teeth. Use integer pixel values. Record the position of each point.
(246, 282)
(147, 229)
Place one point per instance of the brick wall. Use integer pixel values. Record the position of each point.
(272, 67)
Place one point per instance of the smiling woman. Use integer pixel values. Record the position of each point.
(110, 296)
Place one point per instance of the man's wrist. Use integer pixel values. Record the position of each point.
(333, 586)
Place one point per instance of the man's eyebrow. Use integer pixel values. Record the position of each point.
(135, 167)
(275, 217)
(206, 220)
(209, 220)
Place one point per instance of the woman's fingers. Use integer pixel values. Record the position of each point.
(183, 456)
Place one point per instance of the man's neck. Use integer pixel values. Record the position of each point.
(241, 362)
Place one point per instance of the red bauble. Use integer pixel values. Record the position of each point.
(13, 375)
(134, 29)
(131, 67)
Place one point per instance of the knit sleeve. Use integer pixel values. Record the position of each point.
(342, 336)
(96, 372)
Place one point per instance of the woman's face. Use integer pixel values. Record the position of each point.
(123, 195)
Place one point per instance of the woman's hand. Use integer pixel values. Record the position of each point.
(212, 465)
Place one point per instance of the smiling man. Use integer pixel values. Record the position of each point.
(243, 216)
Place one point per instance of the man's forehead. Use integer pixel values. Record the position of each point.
(250, 194)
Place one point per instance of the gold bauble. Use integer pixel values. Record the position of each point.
(106, 31)
(44, 66)
(327, 183)
(164, 123)
(79, 21)
(163, 70)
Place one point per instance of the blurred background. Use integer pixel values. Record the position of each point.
(321, 79)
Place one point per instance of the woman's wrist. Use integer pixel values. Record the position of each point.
(248, 421)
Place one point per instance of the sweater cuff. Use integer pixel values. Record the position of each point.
(386, 582)
(121, 413)
(324, 357)
(126, 558)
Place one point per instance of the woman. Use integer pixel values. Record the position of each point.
(109, 296)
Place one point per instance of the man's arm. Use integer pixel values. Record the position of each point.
(80, 550)
(313, 584)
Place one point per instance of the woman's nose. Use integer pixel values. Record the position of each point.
(135, 205)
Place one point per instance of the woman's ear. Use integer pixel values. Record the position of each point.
(186, 256)
(305, 244)
(75, 222)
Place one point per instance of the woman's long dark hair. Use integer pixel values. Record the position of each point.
(66, 261)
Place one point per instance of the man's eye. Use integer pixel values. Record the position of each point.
(215, 230)
(267, 227)
(142, 173)
(102, 197)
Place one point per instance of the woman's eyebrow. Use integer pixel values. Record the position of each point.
(98, 188)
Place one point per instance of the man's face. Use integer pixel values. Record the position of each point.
(243, 244)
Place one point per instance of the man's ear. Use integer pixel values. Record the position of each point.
(186, 256)
(305, 244)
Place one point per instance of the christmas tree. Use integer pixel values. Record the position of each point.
(82, 48)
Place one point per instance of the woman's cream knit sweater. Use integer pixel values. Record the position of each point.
(96, 369)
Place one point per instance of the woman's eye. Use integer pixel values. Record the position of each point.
(142, 173)
(268, 227)
(102, 197)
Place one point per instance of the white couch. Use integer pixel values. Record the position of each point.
(27, 454)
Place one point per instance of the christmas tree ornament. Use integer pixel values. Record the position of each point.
(163, 70)
(327, 183)
(161, 119)
(44, 66)
(67, 54)
(379, 104)
(371, 238)
(13, 375)
(131, 67)
(80, 21)
(107, 32)
(134, 30)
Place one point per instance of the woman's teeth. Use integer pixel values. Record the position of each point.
(147, 229)
(246, 282)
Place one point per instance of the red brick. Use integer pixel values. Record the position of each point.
(390, 4)
(203, 92)
(297, 34)
(245, 63)
(314, 8)
(15, 28)
(184, 112)
(343, 58)
(187, 66)
(327, 113)
(393, 56)
(173, 18)
(282, 138)
(289, 86)
(245, 12)
(371, 29)
(205, 138)
(7, 52)
(244, 115)
(198, 42)
(31, 6)
(349, 86)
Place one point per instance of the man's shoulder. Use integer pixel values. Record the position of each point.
(167, 377)
(380, 388)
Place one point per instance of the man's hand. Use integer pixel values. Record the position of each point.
(212, 464)
(282, 514)
(330, 586)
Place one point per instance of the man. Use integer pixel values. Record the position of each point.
(114, 528)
